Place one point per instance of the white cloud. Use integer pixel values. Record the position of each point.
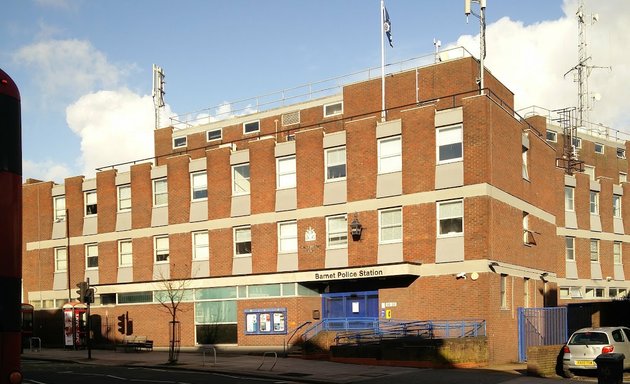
(66, 69)
(46, 170)
(114, 127)
(532, 59)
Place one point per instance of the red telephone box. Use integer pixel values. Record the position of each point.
(26, 323)
(75, 324)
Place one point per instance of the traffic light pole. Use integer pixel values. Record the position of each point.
(89, 324)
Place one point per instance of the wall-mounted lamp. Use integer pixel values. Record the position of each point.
(543, 276)
(355, 229)
(493, 264)
(608, 278)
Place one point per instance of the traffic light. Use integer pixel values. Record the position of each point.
(83, 287)
(129, 327)
(122, 322)
(89, 295)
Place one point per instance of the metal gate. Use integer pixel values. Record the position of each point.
(541, 326)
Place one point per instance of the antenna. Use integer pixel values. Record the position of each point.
(437, 44)
(482, 35)
(158, 92)
(583, 69)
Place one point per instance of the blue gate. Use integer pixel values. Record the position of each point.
(541, 326)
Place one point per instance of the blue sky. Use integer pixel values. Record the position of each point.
(84, 66)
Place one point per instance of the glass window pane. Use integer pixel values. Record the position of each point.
(216, 293)
(210, 312)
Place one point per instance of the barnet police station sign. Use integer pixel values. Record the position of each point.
(365, 272)
(349, 274)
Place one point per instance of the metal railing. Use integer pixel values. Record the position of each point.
(592, 129)
(367, 328)
(430, 329)
(306, 92)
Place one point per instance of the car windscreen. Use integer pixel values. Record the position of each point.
(589, 338)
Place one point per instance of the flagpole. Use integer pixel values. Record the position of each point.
(382, 61)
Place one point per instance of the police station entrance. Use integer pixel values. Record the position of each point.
(350, 305)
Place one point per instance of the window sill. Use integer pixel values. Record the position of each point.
(335, 180)
(389, 172)
(449, 235)
(161, 262)
(125, 266)
(450, 161)
(198, 200)
(390, 242)
(285, 188)
(337, 247)
(242, 256)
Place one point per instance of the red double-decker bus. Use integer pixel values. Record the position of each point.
(10, 230)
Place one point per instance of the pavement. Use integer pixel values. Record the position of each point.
(286, 369)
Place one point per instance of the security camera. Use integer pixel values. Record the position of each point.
(461, 275)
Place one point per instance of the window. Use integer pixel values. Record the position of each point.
(287, 237)
(286, 172)
(599, 148)
(623, 177)
(180, 142)
(333, 109)
(450, 218)
(621, 153)
(160, 192)
(590, 171)
(91, 256)
(214, 134)
(61, 259)
(124, 197)
(90, 203)
(569, 193)
(592, 292)
(337, 231)
(565, 293)
(161, 249)
(251, 126)
(576, 292)
(389, 155)
(552, 136)
(336, 163)
(449, 144)
(577, 142)
(594, 250)
(570, 248)
(503, 291)
(201, 246)
(594, 203)
(525, 172)
(199, 181)
(125, 253)
(617, 256)
(59, 205)
(242, 241)
(617, 206)
(240, 179)
(617, 293)
(390, 225)
(528, 236)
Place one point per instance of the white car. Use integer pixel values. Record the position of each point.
(587, 343)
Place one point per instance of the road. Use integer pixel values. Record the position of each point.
(46, 372)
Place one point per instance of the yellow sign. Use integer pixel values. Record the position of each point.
(388, 313)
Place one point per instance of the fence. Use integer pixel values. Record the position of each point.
(541, 326)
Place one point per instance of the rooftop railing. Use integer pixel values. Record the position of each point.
(592, 129)
(306, 92)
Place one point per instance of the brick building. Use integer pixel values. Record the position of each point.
(463, 214)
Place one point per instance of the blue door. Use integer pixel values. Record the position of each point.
(350, 305)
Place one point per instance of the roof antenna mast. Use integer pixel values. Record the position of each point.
(583, 69)
(158, 93)
(482, 35)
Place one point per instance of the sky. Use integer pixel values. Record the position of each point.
(84, 67)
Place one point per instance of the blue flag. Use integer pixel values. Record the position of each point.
(387, 27)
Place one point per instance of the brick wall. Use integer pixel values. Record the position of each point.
(544, 361)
